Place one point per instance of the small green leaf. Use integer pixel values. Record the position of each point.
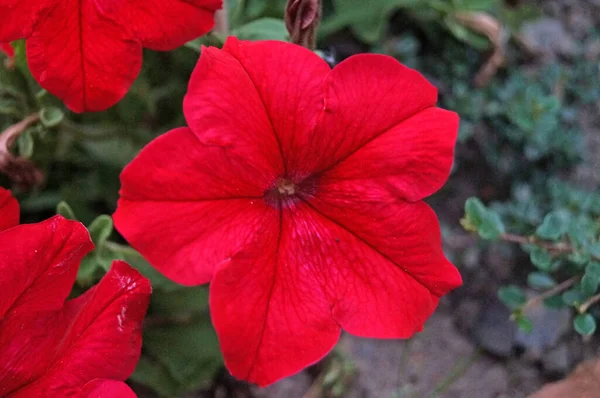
(51, 116)
(263, 29)
(524, 324)
(100, 229)
(591, 279)
(512, 296)
(540, 258)
(585, 324)
(26, 144)
(555, 302)
(555, 224)
(573, 297)
(540, 280)
(65, 210)
(478, 217)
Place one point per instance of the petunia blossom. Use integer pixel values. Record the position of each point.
(53, 347)
(88, 53)
(297, 192)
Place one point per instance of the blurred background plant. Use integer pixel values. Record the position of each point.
(528, 148)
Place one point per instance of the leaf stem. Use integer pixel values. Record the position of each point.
(560, 247)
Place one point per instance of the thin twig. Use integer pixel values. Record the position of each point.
(20, 170)
(588, 303)
(560, 247)
(561, 287)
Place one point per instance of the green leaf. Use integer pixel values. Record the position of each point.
(51, 116)
(189, 351)
(585, 324)
(26, 144)
(474, 5)
(478, 217)
(555, 302)
(590, 279)
(263, 29)
(65, 210)
(555, 224)
(185, 301)
(100, 229)
(368, 20)
(512, 296)
(541, 258)
(524, 324)
(540, 280)
(573, 297)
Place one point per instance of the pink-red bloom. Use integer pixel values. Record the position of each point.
(53, 347)
(296, 191)
(88, 53)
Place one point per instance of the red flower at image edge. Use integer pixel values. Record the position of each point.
(296, 191)
(88, 53)
(83, 347)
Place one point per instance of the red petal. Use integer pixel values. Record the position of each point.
(365, 96)
(289, 82)
(9, 210)
(389, 270)
(223, 108)
(19, 17)
(103, 340)
(100, 388)
(411, 160)
(269, 307)
(165, 25)
(90, 65)
(187, 207)
(38, 264)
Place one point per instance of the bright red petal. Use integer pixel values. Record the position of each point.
(38, 264)
(289, 82)
(390, 256)
(365, 96)
(187, 207)
(100, 388)
(9, 210)
(91, 64)
(19, 17)
(165, 25)
(411, 160)
(103, 339)
(268, 304)
(223, 108)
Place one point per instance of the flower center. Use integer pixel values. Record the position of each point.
(286, 188)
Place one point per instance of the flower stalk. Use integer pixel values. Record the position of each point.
(20, 170)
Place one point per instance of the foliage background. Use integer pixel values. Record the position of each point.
(526, 150)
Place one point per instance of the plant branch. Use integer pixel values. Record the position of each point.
(588, 303)
(20, 170)
(560, 247)
(561, 287)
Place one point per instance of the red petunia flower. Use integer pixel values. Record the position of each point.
(88, 53)
(296, 190)
(83, 347)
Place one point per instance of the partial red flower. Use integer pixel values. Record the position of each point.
(88, 53)
(296, 191)
(83, 347)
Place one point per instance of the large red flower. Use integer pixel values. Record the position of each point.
(88, 52)
(297, 191)
(84, 347)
